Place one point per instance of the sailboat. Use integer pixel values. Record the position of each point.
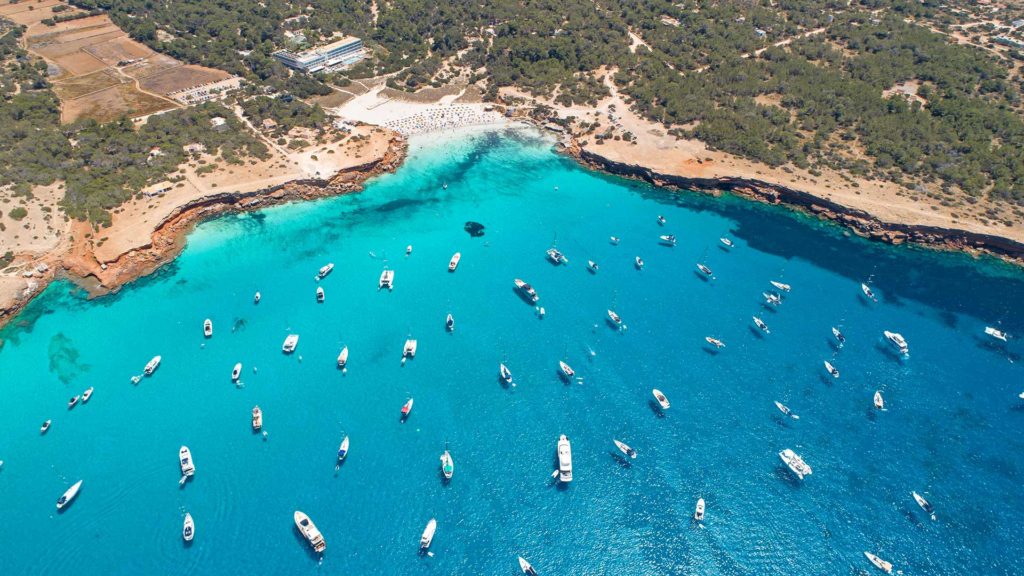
(839, 335)
(567, 371)
(343, 357)
(526, 567)
(760, 324)
(882, 565)
(714, 342)
(867, 292)
(343, 449)
(505, 373)
(879, 402)
(781, 286)
(447, 464)
(188, 529)
(726, 242)
(831, 369)
(924, 504)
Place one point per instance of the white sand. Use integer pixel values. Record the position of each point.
(414, 117)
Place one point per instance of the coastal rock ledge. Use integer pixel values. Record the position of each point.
(860, 222)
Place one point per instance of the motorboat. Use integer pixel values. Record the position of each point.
(882, 565)
(256, 298)
(408, 249)
(564, 459)
(68, 496)
(760, 324)
(614, 318)
(449, 323)
(725, 241)
(614, 240)
(257, 418)
(505, 373)
(556, 257)
(188, 529)
(343, 449)
(867, 292)
(73, 402)
(639, 263)
(310, 532)
(567, 371)
(879, 402)
(526, 567)
(667, 240)
(343, 357)
(527, 290)
(592, 266)
(781, 286)
(319, 294)
(541, 312)
(87, 394)
(661, 398)
(785, 410)
(409, 351)
(236, 372)
(897, 340)
(447, 464)
(290, 342)
(326, 270)
(387, 280)
(188, 467)
(407, 408)
(207, 327)
(839, 335)
(704, 269)
(996, 333)
(772, 298)
(795, 463)
(831, 369)
(714, 342)
(151, 366)
(624, 448)
(698, 512)
(924, 504)
(44, 427)
(428, 534)
(661, 220)
(454, 262)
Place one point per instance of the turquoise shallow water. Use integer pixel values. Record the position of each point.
(952, 430)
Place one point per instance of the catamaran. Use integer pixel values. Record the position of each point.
(661, 398)
(505, 373)
(320, 296)
(785, 410)
(290, 342)
(996, 333)
(449, 323)
(567, 371)
(622, 446)
(831, 369)
(924, 504)
(564, 459)
(897, 340)
(310, 532)
(151, 366)
(556, 257)
(87, 394)
(188, 528)
(387, 280)
(667, 240)
(326, 269)
(236, 372)
(760, 324)
(207, 327)
(527, 290)
(454, 262)
(526, 567)
(698, 512)
(795, 463)
(343, 357)
(728, 243)
(639, 263)
(407, 408)
(72, 402)
(614, 318)
(781, 286)
(839, 335)
(343, 449)
(257, 418)
(714, 342)
(882, 565)
(879, 402)
(69, 495)
(409, 350)
(428, 534)
(447, 464)
(188, 467)
(772, 298)
(867, 292)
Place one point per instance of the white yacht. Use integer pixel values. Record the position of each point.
(257, 418)
(387, 280)
(188, 467)
(704, 269)
(879, 402)
(698, 512)
(714, 342)
(409, 351)
(564, 459)
(661, 398)
(151, 366)
(310, 532)
(343, 449)
(781, 286)
(795, 463)
(428, 534)
(236, 372)
(831, 369)
(449, 323)
(207, 327)
(526, 290)
(505, 373)
(867, 292)
(785, 410)
(188, 529)
(614, 318)
(667, 240)
(882, 565)
(567, 371)
(839, 335)
(326, 270)
(454, 262)
(556, 257)
(320, 294)
(996, 333)
(343, 357)
(526, 567)
(924, 504)
(69, 495)
(87, 394)
(447, 464)
(760, 324)
(290, 342)
(897, 340)
(725, 241)
(624, 448)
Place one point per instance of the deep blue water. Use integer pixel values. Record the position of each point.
(951, 431)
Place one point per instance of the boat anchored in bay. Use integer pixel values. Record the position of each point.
(795, 463)
(309, 532)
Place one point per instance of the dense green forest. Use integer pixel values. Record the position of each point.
(101, 165)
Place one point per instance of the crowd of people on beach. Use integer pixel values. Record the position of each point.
(443, 117)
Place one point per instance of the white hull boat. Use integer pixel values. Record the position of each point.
(760, 324)
(567, 371)
(785, 410)
(527, 290)
(409, 350)
(447, 465)
(505, 373)
(614, 318)
(795, 463)
(831, 369)
(449, 323)
(868, 293)
(257, 418)
(879, 401)
(320, 296)
(924, 504)
(69, 495)
(310, 532)
(343, 357)
(407, 408)
(661, 398)
(698, 512)
(236, 372)
(526, 567)
(781, 286)
(882, 565)
(387, 280)
(256, 298)
(714, 342)
(72, 402)
(188, 467)
(556, 257)
(564, 459)
(151, 366)
(996, 333)
(325, 270)
(726, 242)
(428, 534)
(207, 327)
(668, 240)
(290, 342)
(592, 266)
(454, 262)
(839, 335)
(343, 449)
(188, 529)
(614, 240)
(86, 395)
(704, 269)
(625, 449)
(897, 340)
(639, 263)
